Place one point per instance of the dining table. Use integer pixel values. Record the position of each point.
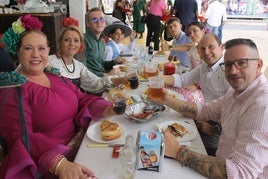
(99, 157)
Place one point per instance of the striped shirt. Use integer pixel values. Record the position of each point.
(212, 79)
(244, 139)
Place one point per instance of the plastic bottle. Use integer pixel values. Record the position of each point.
(128, 158)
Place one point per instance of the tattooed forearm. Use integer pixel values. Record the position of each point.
(208, 166)
(187, 110)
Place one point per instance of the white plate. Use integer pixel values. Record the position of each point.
(94, 133)
(192, 131)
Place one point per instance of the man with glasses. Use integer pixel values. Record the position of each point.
(95, 46)
(243, 113)
(213, 85)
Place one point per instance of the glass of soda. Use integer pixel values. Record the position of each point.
(132, 76)
(120, 103)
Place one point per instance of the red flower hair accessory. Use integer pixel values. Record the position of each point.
(12, 36)
(67, 21)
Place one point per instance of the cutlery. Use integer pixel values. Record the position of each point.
(103, 145)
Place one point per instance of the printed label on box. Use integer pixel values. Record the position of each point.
(149, 150)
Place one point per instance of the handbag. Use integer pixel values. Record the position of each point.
(143, 19)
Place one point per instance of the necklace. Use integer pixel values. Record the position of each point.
(67, 67)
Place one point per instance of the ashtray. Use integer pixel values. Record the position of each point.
(143, 111)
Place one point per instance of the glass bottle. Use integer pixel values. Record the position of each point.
(128, 158)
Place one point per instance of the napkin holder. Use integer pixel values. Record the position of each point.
(149, 150)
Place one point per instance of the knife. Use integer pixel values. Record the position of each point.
(104, 145)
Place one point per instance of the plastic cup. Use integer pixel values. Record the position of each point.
(156, 85)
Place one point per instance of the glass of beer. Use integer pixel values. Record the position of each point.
(150, 70)
(132, 76)
(156, 85)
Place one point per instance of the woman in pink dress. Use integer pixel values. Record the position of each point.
(54, 110)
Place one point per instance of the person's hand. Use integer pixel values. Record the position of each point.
(119, 60)
(132, 36)
(164, 45)
(71, 170)
(205, 128)
(172, 146)
(190, 88)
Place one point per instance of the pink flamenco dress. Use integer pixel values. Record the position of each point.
(53, 118)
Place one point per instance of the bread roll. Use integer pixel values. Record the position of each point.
(110, 130)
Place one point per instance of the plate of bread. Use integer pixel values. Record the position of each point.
(106, 132)
(183, 131)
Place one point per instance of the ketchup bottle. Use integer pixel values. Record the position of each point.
(169, 68)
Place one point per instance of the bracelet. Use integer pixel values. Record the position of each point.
(58, 165)
(52, 163)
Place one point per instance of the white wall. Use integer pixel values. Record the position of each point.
(78, 10)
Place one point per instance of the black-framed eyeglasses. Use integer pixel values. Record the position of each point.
(239, 64)
(97, 20)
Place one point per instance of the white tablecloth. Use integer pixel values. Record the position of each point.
(101, 162)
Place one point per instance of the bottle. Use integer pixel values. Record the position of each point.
(151, 50)
(128, 158)
(169, 68)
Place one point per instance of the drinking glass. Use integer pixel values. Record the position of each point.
(156, 85)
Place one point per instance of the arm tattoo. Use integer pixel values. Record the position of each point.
(186, 109)
(211, 167)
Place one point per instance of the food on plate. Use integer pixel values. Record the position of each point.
(110, 130)
(117, 93)
(160, 52)
(177, 129)
(123, 68)
(119, 81)
(160, 66)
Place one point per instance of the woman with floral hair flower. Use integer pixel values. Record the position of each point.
(54, 111)
(69, 43)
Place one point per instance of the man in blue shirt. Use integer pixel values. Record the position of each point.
(174, 27)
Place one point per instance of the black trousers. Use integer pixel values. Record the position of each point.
(153, 30)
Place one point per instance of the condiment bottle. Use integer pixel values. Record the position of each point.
(169, 68)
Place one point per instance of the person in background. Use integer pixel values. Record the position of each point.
(6, 62)
(95, 46)
(195, 31)
(215, 16)
(54, 109)
(139, 9)
(243, 113)
(118, 10)
(213, 82)
(179, 37)
(69, 43)
(204, 8)
(186, 11)
(114, 48)
(156, 9)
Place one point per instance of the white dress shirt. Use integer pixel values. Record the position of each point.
(213, 81)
